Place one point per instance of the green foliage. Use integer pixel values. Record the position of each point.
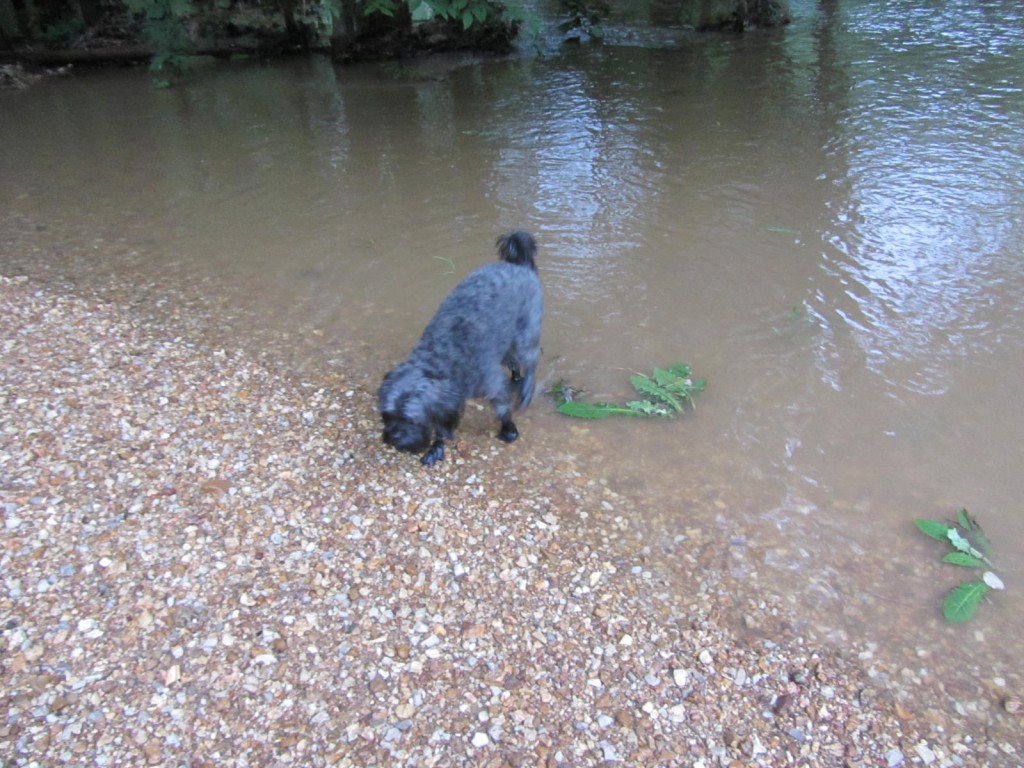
(469, 12)
(584, 18)
(62, 33)
(163, 28)
(960, 604)
(971, 550)
(669, 392)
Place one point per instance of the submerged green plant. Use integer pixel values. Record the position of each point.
(447, 260)
(971, 550)
(669, 392)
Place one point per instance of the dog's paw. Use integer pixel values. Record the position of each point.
(508, 433)
(434, 455)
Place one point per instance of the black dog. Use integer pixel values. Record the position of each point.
(490, 322)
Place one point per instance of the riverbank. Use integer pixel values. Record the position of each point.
(209, 562)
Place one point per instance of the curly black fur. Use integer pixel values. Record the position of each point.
(489, 323)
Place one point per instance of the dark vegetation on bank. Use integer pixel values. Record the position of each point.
(170, 33)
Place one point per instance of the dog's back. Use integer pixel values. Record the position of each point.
(491, 320)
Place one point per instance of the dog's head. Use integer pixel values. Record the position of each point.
(406, 435)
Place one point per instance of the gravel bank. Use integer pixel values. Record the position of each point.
(205, 562)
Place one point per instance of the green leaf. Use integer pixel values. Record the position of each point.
(961, 603)
(934, 528)
(593, 410)
(467, 19)
(965, 520)
(647, 408)
(645, 386)
(668, 379)
(961, 558)
(958, 541)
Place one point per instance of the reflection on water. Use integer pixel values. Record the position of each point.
(824, 221)
(932, 154)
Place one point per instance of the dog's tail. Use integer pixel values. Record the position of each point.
(518, 248)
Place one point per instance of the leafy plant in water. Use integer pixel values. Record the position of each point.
(970, 550)
(669, 392)
(447, 260)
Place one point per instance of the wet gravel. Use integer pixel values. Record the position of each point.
(206, 561)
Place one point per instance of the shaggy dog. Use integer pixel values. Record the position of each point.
(489, 323)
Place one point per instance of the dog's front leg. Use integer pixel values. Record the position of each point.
(444, 429)
(434, 455)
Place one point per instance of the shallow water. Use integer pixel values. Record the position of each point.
(825, 221)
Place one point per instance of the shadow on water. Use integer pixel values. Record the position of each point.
(823, 221)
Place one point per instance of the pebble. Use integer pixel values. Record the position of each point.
(893, 758)
(609, 753)
(480, 739)
(925, 753)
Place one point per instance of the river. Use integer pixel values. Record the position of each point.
(826, 221)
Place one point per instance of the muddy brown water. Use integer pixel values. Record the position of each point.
(825, 221)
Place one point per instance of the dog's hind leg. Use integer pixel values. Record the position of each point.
(508, 432)
(521, 381)
(524, 377)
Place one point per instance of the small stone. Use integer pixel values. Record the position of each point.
(609, 753)
(154, 752)
(925, 753)
(681, 677)
(677, 713)
(172, 674)
(480, 740)
(624, 719)
(893, 758)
